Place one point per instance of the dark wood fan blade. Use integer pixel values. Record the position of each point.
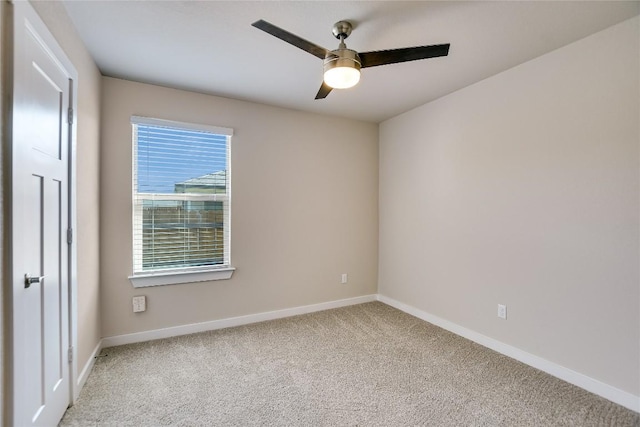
(324, 91)
(298, 42)
(393, 56)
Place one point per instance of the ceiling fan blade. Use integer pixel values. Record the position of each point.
(393, 56)
(324, 91)
(298, 42)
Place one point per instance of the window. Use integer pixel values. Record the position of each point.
(181, 202)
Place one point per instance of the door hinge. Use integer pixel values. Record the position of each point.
(70, 354)
(70, 116)
(69, 236)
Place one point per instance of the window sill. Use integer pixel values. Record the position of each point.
(178, 277)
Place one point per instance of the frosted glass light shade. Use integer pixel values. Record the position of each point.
(342, 77)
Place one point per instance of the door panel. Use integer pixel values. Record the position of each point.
(53, 351)
(50, 98)
(33, 328)
(40, 218)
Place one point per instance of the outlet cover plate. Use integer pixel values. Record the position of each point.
(502, 311)
(139, 304)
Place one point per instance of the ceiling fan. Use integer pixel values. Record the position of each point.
(342, 65)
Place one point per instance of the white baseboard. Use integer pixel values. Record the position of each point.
(84, 374)
(592, 385)
(230, 322)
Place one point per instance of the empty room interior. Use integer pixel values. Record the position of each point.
(202, 227)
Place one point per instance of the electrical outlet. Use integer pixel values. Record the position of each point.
(502, 311)
(344, 278)
(139, 304)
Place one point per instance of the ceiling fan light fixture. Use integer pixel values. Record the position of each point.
(342, 66)
(342, 69)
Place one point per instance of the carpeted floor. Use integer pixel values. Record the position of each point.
(364, 365)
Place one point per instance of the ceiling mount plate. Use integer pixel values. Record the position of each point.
(342, 29)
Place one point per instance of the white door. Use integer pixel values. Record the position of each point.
(40, 218)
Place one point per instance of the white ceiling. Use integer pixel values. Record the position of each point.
(211, 47)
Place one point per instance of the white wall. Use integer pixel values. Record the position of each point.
(304, 209)
(523, 190)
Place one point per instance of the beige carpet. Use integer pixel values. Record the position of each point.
(365, 365)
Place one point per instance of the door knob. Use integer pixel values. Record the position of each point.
(29, 280)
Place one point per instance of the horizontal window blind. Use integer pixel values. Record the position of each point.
(181, 196)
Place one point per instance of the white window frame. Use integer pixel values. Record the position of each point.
(181, 275)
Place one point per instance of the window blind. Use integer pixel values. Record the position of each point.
(181, 196)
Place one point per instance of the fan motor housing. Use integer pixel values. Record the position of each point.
(342, 58)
